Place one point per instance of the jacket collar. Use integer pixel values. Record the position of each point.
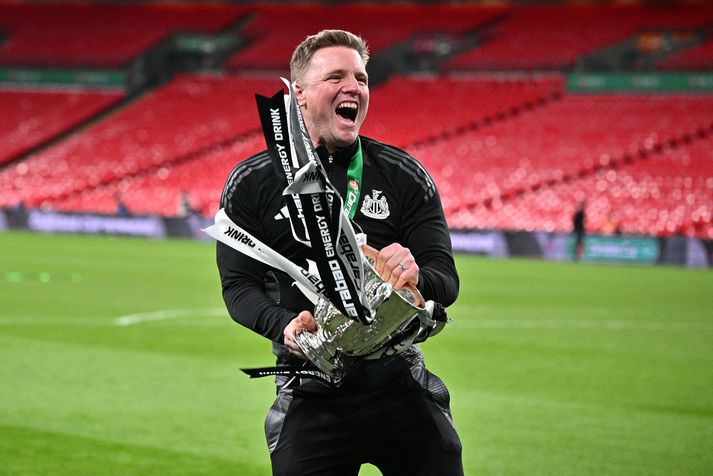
(342, 155)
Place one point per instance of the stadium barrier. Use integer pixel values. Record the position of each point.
(96, 78)
(625, 249)
(147, 226)
(587, 82)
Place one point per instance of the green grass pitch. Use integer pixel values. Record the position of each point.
(117, 358)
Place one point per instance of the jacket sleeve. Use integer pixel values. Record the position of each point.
(246, 282)
(425, 233)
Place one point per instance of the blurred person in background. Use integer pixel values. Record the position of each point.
(121, 209)
(579, 230)
(610, 225)
(184, 205)
(388, 411)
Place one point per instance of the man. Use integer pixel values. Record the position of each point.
(579, 231)
(389, 411)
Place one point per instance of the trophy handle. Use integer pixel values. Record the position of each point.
(371, 253)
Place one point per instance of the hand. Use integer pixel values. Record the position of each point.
(395, 264)
(303, 322)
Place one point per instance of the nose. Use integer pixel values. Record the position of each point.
(351, 85)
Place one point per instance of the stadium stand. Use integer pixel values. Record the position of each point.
(181, 120)
(698, 58)
(513, 150)
(569, 146)
(669, 194)
(274, 30)
(99, 35)
(410, 111)
(32, 117)
(204, 173)
(554, 36)
(159, 192)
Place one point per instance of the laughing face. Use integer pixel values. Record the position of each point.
(334, 96)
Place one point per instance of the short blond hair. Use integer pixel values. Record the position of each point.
(325, 38)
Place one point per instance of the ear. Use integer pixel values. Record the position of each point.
(300, 95)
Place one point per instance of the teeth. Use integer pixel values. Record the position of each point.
(348, 105)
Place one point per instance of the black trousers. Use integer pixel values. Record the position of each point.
(391, 413)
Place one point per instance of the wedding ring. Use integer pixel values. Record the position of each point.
(403, 268)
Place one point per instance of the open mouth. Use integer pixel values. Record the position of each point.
(347, 110)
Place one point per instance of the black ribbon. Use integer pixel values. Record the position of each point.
(273, 118)
(320, 210)
(291, 371)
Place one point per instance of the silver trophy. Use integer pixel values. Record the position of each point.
(393, 311)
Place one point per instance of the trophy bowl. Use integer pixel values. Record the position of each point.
(336, 335)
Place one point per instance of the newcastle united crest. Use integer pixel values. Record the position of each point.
(375, 206)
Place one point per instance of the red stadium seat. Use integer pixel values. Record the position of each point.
(32, 117)
(107, 35)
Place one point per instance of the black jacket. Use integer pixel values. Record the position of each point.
(264, 299)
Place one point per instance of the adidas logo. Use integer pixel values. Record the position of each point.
(283, 214)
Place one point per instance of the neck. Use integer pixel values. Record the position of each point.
(328, 148)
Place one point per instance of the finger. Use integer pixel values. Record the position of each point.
(369, 251)
(399, 263)
(373, 254)
(396, 270)
(407, 277)
(385, 261)
(303, 322)
(392, 262)
(380, 262)
(306, 321)
(291, 344)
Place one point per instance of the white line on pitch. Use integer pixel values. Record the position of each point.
(164, 314)
(127, 320)
(54, 321)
